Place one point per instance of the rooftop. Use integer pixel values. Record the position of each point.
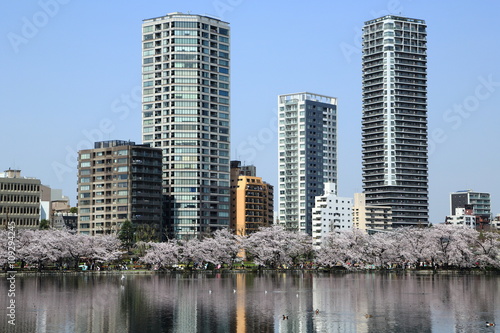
(188, 16)
(307, 96)
(397, 18)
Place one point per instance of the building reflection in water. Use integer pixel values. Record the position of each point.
(245, 302)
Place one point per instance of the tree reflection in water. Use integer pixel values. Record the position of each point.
(246, 302)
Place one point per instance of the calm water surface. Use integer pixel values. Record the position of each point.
(246, 302)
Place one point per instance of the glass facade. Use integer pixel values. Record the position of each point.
(185, 112)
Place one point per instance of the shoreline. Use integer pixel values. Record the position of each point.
(239, 271)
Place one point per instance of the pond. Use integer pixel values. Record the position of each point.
(252, 302)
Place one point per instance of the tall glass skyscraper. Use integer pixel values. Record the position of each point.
(185, 111)
(395, 118)
(307, 155)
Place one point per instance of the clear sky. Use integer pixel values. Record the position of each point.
(70, 75)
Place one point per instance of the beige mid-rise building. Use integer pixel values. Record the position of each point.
(19, 199)
(370, 218)
(252, 200)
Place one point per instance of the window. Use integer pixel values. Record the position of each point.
(186, 41)
(184, 80)
(84, 164)
(182, 24)
(185, 49)
(184, 73)
(185, 33)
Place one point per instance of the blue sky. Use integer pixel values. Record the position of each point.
(71, 76)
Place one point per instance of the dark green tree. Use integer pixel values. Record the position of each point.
(127, 234)
(44, 224)
(73, 210)
(146, 233)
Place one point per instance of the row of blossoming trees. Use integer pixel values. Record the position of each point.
(274, 247)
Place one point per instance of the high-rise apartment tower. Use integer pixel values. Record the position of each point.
(185, 111)
(395, 118)
(307, 155)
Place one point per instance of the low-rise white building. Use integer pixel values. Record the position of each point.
(463, 217)
(330, 213)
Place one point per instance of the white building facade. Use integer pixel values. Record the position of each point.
(331, 213)
(462, 218)
(307, 155)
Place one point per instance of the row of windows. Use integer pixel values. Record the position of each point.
(19, 198)
(114, 169)
(196, 33)
(103, 201)
(186, 24)
(221, 100)
(19, 187)
(179, 80)
(149, 90)
(149, 114)
(86, 156)
(177, 197)
(19, 210)
(22, 221)
(187, 104)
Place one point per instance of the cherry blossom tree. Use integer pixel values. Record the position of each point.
(4, 247)
(276, 247)
(222, 248)
(450, 245)
(379, 250)
(193, 252)
(267, 246)
(299, 248)
(104, 248)
(342, 249)
(487, 247)
(161, 255)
